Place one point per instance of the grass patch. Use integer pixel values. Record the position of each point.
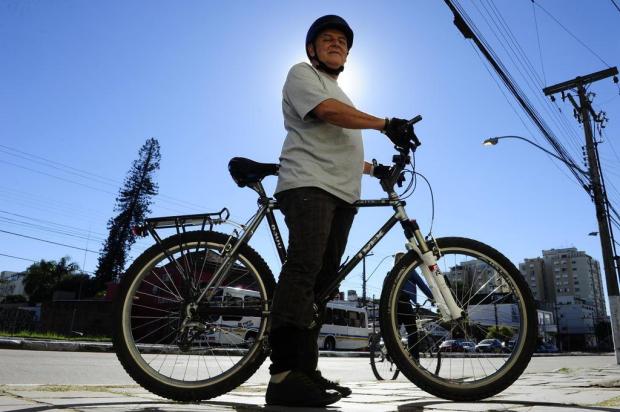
(563, 370)
(52, 336)
(610, 402)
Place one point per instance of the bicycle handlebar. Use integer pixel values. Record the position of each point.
(402, 159)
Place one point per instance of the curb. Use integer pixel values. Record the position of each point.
(82, 346)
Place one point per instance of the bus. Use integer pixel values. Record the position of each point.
(234, 330)
(345, 327)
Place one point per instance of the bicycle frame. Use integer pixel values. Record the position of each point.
(440, 291)
(441, 295)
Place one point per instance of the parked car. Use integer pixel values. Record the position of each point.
(490, 346)
(547, 347)
(455, 345)
(468, 346)
(450, 346)
(510, 345)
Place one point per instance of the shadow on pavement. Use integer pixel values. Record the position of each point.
(163, 406)
(419, 406)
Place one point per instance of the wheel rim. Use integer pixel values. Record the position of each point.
(494, 305)
(207, 354)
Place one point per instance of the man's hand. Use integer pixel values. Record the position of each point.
(380, 171)
(399, 132)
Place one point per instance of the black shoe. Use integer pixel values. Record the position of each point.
(326, 384)
(297, 389)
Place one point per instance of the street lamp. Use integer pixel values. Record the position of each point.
(364, 278)
(492, 141)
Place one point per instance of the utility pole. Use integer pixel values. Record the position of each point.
(364, 278)
(597, 190)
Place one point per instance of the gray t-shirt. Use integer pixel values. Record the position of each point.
(316, 153)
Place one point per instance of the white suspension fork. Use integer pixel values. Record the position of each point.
(442, 295)
(437, 283)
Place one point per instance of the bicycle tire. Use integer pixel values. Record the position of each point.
(158, 289)
(465, 263)
(380, 362)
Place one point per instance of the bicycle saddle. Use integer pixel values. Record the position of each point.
(245, 171)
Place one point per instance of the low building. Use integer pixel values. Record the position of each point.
(12, 283)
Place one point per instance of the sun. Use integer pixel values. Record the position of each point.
(351, 80)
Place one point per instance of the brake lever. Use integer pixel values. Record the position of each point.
(401, 179)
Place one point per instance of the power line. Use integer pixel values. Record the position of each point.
(80, 173)
(47, 241)
(469, 31)
(17, 257)
(615, 5)
(533, 80)
(571, 34)
(542, 66)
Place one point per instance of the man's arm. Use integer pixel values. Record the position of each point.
(340, 114)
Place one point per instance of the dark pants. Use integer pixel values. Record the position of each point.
(318, 225)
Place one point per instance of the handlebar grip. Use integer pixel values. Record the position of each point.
(414, 120)
(416, 141)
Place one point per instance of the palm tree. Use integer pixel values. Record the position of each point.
(42, 277)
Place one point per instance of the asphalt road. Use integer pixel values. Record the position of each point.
(85, 368)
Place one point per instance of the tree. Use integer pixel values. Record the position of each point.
(42, 278)
(132, 205)
(503, 333)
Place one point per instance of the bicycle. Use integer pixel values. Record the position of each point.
(182, 333)
(381, 362)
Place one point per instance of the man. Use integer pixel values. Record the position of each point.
(320, 177)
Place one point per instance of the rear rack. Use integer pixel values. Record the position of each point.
(181, 222)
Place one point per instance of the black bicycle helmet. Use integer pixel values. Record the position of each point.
(321, 24)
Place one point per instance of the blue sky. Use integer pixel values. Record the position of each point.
(84, 84)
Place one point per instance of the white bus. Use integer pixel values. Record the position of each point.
(235, 330)
(344, 327)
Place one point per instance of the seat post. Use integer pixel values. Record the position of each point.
(258, 188)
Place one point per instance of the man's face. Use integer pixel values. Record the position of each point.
(331, 48)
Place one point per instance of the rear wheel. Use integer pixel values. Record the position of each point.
(497, 304)
(177, 346)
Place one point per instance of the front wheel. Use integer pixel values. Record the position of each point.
(179, 346)
(497, 304)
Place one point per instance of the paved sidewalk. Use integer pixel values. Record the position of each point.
(561, 390)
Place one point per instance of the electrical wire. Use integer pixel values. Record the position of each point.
(571, 34)
(469, 30)
(17, 257)
(509, 82)
(512, 47)
(540, 55)
(47, 241)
